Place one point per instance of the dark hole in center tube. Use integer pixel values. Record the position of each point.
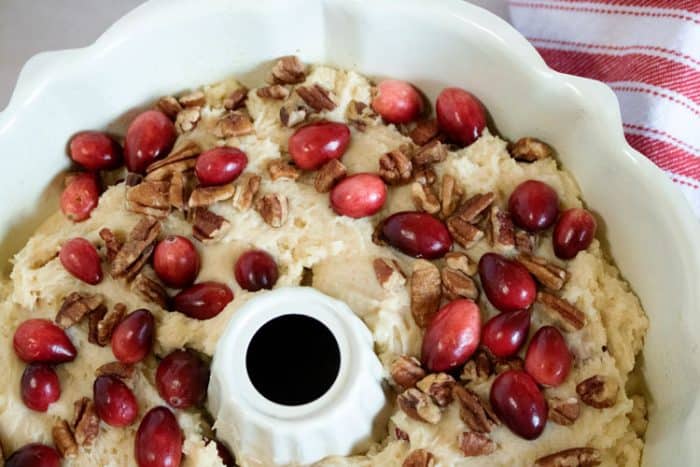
(293, 360)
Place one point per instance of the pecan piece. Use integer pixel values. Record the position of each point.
(388, 273)
(193, 99)
(294, 111)
(187, 119)
(86, 423)
(401, 435)
(563, 411)
(478, 369)
(418, 406)
(501, 230)
(395, 167)
(93, 319)
(133, 179)
(501, 365)
(288, 70)
(233, 124)
(548, 274)
(430, 153)
(137, 249)
(470, 211)
(529, 150)
(406, 371)
(207, 195)
(574, 457)
(179, 160)
(280, 169)
(328, 175)
(118, 369)
(150, 290)
(77, 306)
(419, 458)
(273, 208)
(177, 191)
(456, 284)
(465, 234)
(564, 313)
(424, 132)
(474, 444)
(236, 99)
(450, 195)
(598, 391)
(475, 413)
(439, 387)
(424, 175)
(169, 106)
(274, 91)
(525, 242)
(207, 225)
(424, 198)
(151, 197)
(461, 262)
(317, 97)
(425, 291)
(63, 439)
(360, 115)
(106, 325)
(246, 189)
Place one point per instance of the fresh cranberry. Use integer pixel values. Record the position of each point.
(224, 454)
(313, 145)
(505, 333)
(460, 115)
(397, 101)
(39, 386)
(95, 151)
(219, 166)
(158, 440)
(41, 341)
(574, 232)
(358, 195)
(132, 338)
(507, 284)
(80, 258)
(176, 261)
(255, 270)
(150, 136)
(548, 359)
(519, 403)
(114, 401)
(182, 379)
(80, 197)
(417, 234)
(204, 300)
(452, 336)
(34, 455)
(533, 205)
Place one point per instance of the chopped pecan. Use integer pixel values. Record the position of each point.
(501, 230)
(187, 119)
(317, 97)
(395, 167)
(388, 273)
(86, 423)
(564, 313)
(574, 457)
(478, 369)
(93, 319)
(273, 208)
(193, 99)
(461, 262)
(419, 458)
(63, 439)
(425, 291)
(471, 210)
(475, 444)
(563, 411)
(430, 153)
(169, 106)
(424, 198)
(233, 124)
(401, 435)
(294, 111)
(501, 365)
(456, 284)
(150, 290)
(106, 325)
(207, 225)
(288, 70)
(236, 99)
(133, 179)
(137, 249)
(280, 169)
(424, 175)
(118, 369)
(525, 242)
(598, 391)
(274, 91)
(246, 189)
(450, 195)
(463, 232)
(328, 175)
(529, 150)
(207, 195)
(439, 387)
(406, 371)
(177, 191)
(548, 274)
(151, 197)
(418, 406)
(77, 306)
(475, 413)
(360, 115)
(424, 131)
(180, 159)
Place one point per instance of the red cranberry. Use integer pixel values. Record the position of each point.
(519, 403)
(255, 270)
(224, 454)
(505, 333)
(132, 338)
(204, 300)
(80, 258)
(114, 401)
(34, 455)
(313, 145)
(158, 440)
(176, 261)
(358, 195)
(39, 386)
(41, 341)
(533, 205)
(460, 115)
(95, 151)
(452, 336)
(507, 284)
(397, 101)
(548, 359)
(182, 379)
(417, 234)
(219, 166)
(574, 232)
(80, 197)
(150, 136)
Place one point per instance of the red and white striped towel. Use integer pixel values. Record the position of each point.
(648, 52)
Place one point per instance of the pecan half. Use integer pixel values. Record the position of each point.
(529, 150)
(461, 262)
(328, 175)
(574, 457)
(562, 312)
(360, 115)
(478, 369)
(430, 153)
(598, 391)
(475, 413)
(169, 106)
(294, 111)
(548, 274)
(207, 225)
(425, 291)
(424, 175)
(388, 273)
(525, 242)
(151, 197)
(150, 290)
(106, 325)
(77, 306)
(450, 195)
(395, 167)
(424, 198)
(470, 211)
(424, 132)
(207, 195)
(563, 411)
(86, 423)
(439, 387)
(179, 160)
(464, 233)
(246, 189)
(273, 208)
(118, 369)
(177, 191)
(501, 365)
(317, 97)
(233, 124)
(288, 70)
(501, 230)
(187, 119)
(136, 249)
(406, 371)
(419, 458)
(418, 406)
(63, 439)
(280, 169)
(236, 99)
(193, 99)
(474, 444)
(274, 91)
(456, 284)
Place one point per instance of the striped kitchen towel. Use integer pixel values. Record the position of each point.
(648, 52)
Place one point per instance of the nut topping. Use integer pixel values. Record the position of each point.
(564, 313)
(425, 291)
(77, 306)
(150, 197)
(424, 175)
(529, 150)
(207, 225)
(294, 111)
(273, 208)
(193, 99)
(233, 124)
(401, 435)
(280, 169)
(150, 290)
(317, 97)
(207, 195)
(419, 458)
(180, 159)
(137, 249)
(461, 262)
(246, 189)
(424, 132)
(418, 406)
(525, 242)
(288, 70)
(551, 276)
(430, 153)
(463, 232)
(450, 195)
(63, 439)
(406, 371)
(105, 326)
(501, 230)
(93, 319)
(574, 457)
(598, 391)
(395, 167)
(478, 369)
(176, 192)
(274, 91)
(472, 209)
(388, 273)
(328, 175)
(187, 119)
(118, 369)
(456, 284)
(475, 413)
(86, 423)
(439, 387)
(563, 411)
(424, 198)
(236, 99)
(360, 115)
(501, 365)
(169, 106)
(475, 444)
